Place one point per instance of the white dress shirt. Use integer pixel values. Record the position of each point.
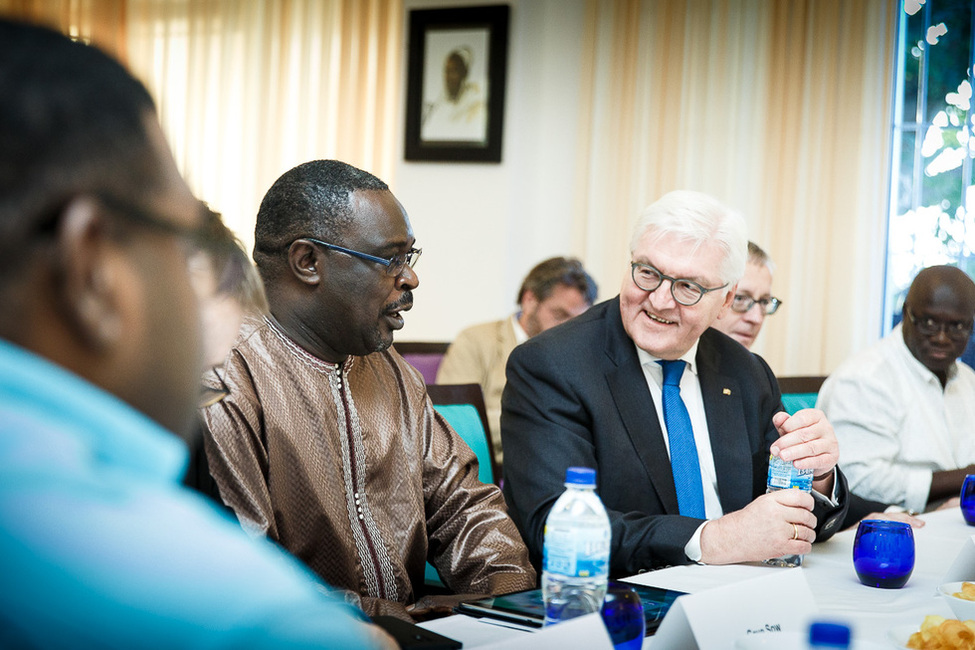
(520, 334)
(896, 425)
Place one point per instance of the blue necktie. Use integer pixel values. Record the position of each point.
(683, 451)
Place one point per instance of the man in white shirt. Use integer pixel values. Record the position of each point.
(904, 410)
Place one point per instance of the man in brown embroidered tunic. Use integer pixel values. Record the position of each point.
(328, 442)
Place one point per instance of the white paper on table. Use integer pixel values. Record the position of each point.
(963, 568)
(778, 602)
(582, 632)
(692, 578)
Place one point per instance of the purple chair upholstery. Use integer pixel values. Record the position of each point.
(423, 356)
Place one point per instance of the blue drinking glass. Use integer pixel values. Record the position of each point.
(883, 553)
(968, 499)
(623, 615)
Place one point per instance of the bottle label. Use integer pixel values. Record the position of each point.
(783, 475)
(579, 553)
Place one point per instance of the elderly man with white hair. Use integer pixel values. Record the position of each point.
(606, 390)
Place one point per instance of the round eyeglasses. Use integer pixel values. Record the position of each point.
(955, 330)
(743, 302)
(685, 292)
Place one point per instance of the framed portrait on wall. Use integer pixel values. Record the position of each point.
(455, 83)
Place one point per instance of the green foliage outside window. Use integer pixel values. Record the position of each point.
(932, 204)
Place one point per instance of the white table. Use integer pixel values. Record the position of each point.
(829, 571)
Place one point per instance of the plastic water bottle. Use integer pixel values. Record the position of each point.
(783, 475)
(575, 566)
(824, 635)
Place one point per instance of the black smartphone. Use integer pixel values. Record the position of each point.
(414, 637)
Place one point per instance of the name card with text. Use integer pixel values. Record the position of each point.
(778, 602)
(963, 568)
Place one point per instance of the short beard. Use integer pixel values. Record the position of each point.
(382, 345)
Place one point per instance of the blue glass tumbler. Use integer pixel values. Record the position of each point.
(883, 553)
(968, 499)
(623, 616)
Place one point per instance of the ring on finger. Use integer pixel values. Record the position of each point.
(795, 532)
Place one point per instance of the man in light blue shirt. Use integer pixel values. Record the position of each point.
(100, 545)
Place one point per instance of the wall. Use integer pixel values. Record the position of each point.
(483, 226)
(776, 108)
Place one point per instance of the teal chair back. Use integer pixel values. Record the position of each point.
(797, 401)
(462, 405)
(799, 392)
(466, 421)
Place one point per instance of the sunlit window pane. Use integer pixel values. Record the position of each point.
(932, 207)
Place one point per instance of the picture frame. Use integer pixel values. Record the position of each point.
(456, 72)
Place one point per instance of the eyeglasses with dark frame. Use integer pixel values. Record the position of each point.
(195, 235)
(394, 265)
(956, 330)
(743, 302)
(129, 211)
(685, 292)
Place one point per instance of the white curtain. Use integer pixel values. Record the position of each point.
(780, 108)
(101, 22)
(247, 90)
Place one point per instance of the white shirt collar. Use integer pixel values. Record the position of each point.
(922, 371)
(650, 361)
(520, 334)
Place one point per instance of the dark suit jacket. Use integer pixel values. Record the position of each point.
(576, 396)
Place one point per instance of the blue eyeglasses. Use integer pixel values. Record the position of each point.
(394, 265)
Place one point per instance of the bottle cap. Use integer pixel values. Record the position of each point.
(829, 635)
(580, 476)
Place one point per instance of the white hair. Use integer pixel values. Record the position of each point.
(700, 219)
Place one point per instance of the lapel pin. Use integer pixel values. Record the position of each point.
(726, 391)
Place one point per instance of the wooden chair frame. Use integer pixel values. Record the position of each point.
(801, 384)
(421, 347)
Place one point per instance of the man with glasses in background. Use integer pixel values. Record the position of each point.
(100, 356)
(904, 409)
(752, 303)
(327, 442)
(554, 291)
(753, 299)
(677, 418)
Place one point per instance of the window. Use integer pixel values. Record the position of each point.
(932, 200)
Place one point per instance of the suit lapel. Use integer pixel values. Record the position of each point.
(628, 386)
(726, 423)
